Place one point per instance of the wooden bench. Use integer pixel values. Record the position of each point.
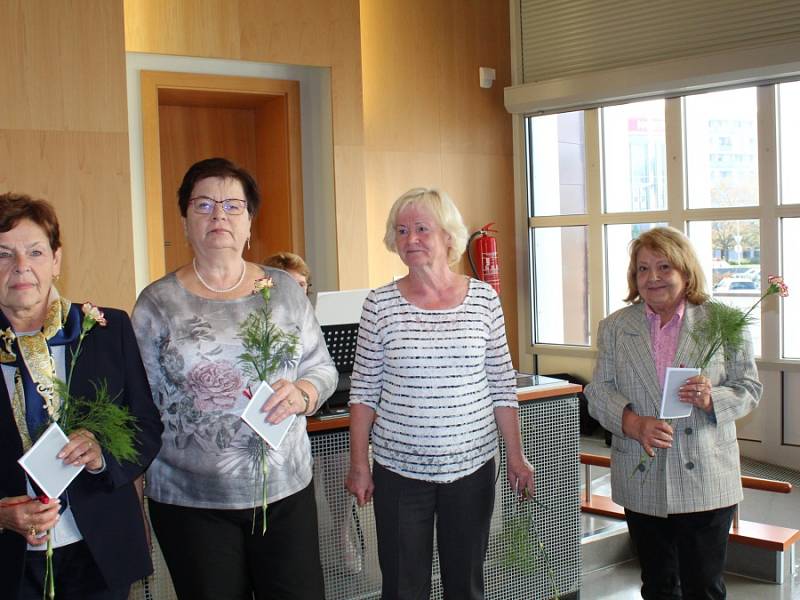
(759, 535)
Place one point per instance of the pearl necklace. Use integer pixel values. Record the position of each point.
(216, 290)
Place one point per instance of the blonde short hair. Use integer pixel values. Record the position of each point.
(445, 213)
(678, 250)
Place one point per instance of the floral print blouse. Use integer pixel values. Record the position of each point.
(190, 348)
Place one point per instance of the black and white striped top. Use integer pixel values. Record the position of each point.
(434, 378)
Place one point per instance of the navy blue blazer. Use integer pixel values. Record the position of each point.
(105, 506)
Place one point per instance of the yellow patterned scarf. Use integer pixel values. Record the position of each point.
(32, 353)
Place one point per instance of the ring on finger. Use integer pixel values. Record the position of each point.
(32, 531)
(697, 393)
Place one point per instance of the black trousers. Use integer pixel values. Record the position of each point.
(215, 555)
(76, 576)
(682, 556)
(404, 517)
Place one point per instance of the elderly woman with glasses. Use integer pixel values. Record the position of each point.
(207, 480)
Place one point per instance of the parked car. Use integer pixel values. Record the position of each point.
(737, 285)
(754, 274)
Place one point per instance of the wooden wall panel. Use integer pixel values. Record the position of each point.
(323, 33)
(186, 27)
(351, 217)
(63, 134)
(85, 176)
(403, 48)
(301, 32)
(55, 74)
(396, 172)
(474, 119)
(428, 123)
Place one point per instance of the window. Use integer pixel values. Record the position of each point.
(558, 176)
(634, 157)
(561, 275)
(598, 178)
(791, 272)
(789, 142)
(721, 152)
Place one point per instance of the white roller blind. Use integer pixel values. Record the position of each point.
(563, 38)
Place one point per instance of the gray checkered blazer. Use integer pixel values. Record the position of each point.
(701, 469)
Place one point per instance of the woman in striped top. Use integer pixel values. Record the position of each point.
(433, 382)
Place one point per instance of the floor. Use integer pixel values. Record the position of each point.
(621, 581)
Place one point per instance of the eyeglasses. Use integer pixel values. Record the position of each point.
(205, 206)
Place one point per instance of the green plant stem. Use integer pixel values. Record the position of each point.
(74, 358)
(543, 552)
(49, 574)
(264, 475)
(522, 530)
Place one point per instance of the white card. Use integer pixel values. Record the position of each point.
(671, 405)
(273, 434)
(41, 464)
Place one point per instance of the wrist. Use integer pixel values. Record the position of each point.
(629, 423)
(309, 394)
(306, 400)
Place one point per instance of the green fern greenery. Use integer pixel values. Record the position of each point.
(113, 425)
(266, 346)
(722, 327)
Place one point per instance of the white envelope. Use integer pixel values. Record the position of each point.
(273, 434)
(671, 405)
(51, 474)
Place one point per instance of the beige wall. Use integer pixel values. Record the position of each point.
(427, 122)
(64, 134)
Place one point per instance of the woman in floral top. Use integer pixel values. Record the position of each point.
(202, 487)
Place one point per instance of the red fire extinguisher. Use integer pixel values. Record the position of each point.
(488, 267)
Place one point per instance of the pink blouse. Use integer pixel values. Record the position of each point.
(664, 340)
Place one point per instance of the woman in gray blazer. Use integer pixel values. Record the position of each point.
(679, 503)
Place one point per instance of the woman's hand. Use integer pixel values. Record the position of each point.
(82, 449)
(650, 432)
(29, 517)
(697, 392)
(521, 476)
(287, 400)
(359, 483)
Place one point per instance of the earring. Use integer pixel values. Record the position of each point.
(56, 277)
(248, 242)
